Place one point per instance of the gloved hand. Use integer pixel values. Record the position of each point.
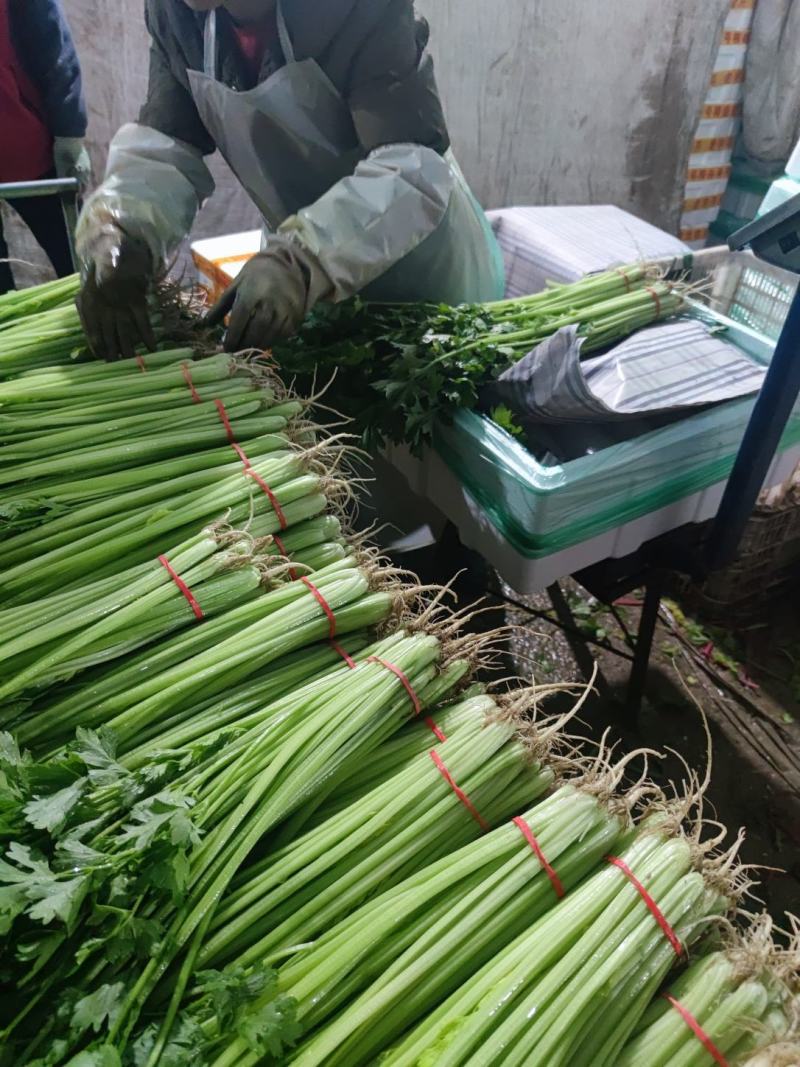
(112, 302)
(72, 160)
(270, 298)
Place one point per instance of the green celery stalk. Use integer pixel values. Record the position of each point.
(93, 499)
(136, 531)
(97, 459)
(113, 691)
(130, 427)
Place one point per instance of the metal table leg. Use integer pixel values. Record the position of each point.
(637, 683)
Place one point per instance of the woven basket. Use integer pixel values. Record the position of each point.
(767, 563)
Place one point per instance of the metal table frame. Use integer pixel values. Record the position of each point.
(67, 188)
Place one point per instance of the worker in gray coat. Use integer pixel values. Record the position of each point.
(329, 115)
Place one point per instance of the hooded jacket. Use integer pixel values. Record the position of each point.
(369, 49)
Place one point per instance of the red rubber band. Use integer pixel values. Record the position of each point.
(323, 603)
(434, 729)
(276, 507)
(625, 278)
(282, 549)
(530, 837)
(697, 1030)
(654, 909)
(351, 663)
(187, 377)
(184, 588)
(462, 796)
(226, 422)
(142, 364)
(240, 452)
(399, 674)
(250, 473)
(656, 298)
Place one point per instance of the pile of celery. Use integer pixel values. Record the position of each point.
(22, 303)
(400, 367)
(253, 808)
(40, 327)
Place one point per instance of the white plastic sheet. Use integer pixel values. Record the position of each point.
(562, 244)
(665, 368)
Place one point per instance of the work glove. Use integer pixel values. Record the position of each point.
(112, 302)
(270, 297)
(72, 160)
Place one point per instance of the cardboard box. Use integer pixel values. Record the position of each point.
(219, 259)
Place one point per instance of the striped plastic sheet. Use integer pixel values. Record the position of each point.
(671, 367)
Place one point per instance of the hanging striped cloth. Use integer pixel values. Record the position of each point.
(710, 159)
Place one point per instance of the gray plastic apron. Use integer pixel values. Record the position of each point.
(291, 138)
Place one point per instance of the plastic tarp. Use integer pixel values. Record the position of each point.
(570, 407)
(665, 368)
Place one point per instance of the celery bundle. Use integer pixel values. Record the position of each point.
(99, 621)
(571, 988)
(21, 303)
(138, 698)
(401, 367)
(40, 327)
(87, 444)
(88, 511)
(122, 847)
(245, 817)
(412, 946)
(108, 545)
(728, 1004)
(47, 338)
(408, 821)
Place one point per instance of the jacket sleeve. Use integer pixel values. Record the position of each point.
(169, 107)
(392, 93)
(399, 195)
(45, 47)
(156, 177)
(153, 188)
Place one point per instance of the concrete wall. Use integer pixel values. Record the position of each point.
(575, 101)
(549, 101)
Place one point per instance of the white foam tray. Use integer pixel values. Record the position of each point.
(432, 479)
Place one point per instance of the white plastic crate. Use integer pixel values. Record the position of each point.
(739, 287)
(747, 290)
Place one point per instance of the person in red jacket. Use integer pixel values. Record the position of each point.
(42, 121)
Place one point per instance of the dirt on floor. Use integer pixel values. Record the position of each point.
(740, 689)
